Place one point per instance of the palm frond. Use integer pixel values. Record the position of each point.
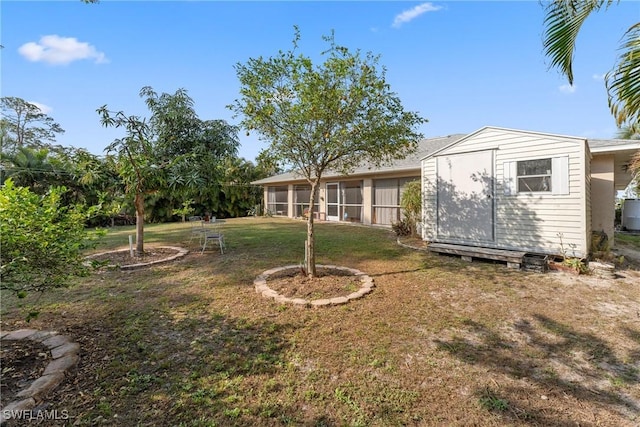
(562, 23)
(623, 82)
(627, 132)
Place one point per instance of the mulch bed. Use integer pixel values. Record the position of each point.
(328, 284)
(22, 361)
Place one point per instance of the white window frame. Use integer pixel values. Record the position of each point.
(547, 175)
(559, 177)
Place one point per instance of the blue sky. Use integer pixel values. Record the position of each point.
(460, 64)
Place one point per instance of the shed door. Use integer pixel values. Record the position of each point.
(465, 196)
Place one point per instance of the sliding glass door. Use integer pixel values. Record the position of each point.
(344, 201)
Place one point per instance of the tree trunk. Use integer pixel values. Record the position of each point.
(311, 252)
(139, 204)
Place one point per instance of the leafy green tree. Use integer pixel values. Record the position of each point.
(563, 21)
(199, 149)
(335, 115)
(185, 210)
(25, 125)
(136, 162)
(238, 195)
(171, 157)
(41, 238)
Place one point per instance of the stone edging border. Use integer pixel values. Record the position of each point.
(261, 287)
(64, 354)
(182, 252)
(404, 245)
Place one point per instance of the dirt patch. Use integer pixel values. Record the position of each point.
(439, 342)
(328, 284)
(22, 361)
(631, 256)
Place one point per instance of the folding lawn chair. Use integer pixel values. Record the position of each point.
(213, 233)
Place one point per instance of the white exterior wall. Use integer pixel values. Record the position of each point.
(603, 195)
(524, 221)
(367, 200)
(588, 197)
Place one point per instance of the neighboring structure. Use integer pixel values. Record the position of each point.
(368, 195)
(527, 191)
(494, 188)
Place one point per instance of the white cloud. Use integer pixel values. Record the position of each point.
(567, 88)
(44, 109)
(411, 14)
(598, 76)
(57, 50)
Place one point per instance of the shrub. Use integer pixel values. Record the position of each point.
(402, 228)
(411, 203)
(41, 240)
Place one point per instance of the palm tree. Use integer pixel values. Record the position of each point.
(627, 132)
(32, 168)
(563, 21)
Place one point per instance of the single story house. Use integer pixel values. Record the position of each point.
(527, 191)
(494, 188)
(369, 195)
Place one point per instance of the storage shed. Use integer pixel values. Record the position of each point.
(525, 191)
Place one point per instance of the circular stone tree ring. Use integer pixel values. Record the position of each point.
(261, 285)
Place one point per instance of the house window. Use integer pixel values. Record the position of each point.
(278, 200)
(534, 176)
(351, 208)
(387, 194)
(301, 200)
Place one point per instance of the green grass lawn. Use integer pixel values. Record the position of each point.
(438, 342)
(628, 239)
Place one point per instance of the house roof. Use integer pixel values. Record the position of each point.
(622, 149)
(409, 163)
(613, 145)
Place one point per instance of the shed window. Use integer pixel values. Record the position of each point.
(534, 175)
(537, 176)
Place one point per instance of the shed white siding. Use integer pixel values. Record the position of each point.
(534, 221)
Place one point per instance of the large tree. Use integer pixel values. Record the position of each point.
(172, 155)
(563, 21)
(25, 125)
(137, 164)
(198, 147)
(332, 116)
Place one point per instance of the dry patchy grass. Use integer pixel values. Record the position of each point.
(438, 342)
